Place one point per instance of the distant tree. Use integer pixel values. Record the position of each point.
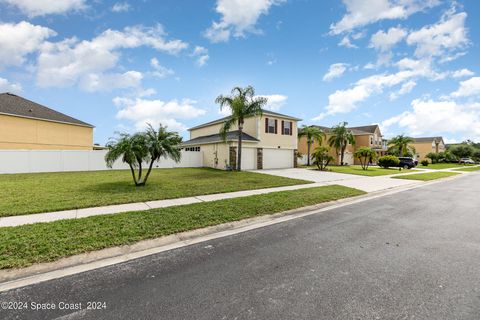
(462, 150)
(312, 135)
(340, 137)
(242, 104)
(476, 155)
(433, 156)
(400, 145)
(366, 156)
(143, 147)
(321, 157)
(388, 161)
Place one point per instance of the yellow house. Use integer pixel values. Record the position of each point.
(27, 125)
(424, 146)
(269, 142)
(365, 136)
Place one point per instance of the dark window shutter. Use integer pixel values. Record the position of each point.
(291, 128)
(276, 126)
(283, 127)
(266, 125)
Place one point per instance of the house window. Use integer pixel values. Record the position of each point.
(287, 128)
(193, 149)
(270, 125)
(371, 140)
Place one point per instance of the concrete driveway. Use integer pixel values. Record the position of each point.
(367, 184)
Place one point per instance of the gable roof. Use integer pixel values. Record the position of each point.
(231, 136)
(429, 139)
(265, 112)
(13, 105)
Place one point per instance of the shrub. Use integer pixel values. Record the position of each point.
(366, 156)
(388, 161)
(321, 158)
(424, 163)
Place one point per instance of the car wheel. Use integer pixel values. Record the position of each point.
(406, 167)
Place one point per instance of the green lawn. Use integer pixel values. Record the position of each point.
(372, 171)
(437, 166)
(470, 169)
(427, 176)
(25, 245)
(44, 192)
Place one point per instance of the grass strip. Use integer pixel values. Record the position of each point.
(46, 192)
(471, 169)
(44, 242)
(427, 176)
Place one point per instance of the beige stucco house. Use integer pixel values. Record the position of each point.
(269, 142)
(424, 146)
(365, 136)
(26, 125)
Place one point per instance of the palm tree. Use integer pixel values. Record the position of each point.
(321, 158)
(340, 137)
(161, 144)
(401, 143)
(242, 104)
(312, 134)
(365, 155)
(148, 146)
(131, 149)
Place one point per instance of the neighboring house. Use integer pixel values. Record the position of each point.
(269, 142)
(365, 136)
(424, 146)
(28, 125)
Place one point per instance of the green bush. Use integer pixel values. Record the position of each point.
(388, 161)
(424, 163)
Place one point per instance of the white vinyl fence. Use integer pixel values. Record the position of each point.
(26, 161)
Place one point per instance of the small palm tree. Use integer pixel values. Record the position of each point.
(366, 156)
(131, 149)
(312, 135)
(321, 158)
(340, 137)
(148, 146)
(242, 104)
(401, 145)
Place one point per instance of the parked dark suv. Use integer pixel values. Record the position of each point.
(407, 162)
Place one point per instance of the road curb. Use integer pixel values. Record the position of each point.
(16, 278)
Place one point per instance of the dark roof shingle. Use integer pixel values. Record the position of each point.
(231, 136)
(14, 105)
(428, 139)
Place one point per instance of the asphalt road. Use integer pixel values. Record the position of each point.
(412, 255)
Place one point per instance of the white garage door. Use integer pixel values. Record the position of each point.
(277, 158)
(348, 158)
(249, 158)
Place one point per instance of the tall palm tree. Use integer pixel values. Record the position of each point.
(312, 134)
(148, 146)
(340, 137)
(242, 104)
(401, 143)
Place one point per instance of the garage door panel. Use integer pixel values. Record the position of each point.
(277, 158)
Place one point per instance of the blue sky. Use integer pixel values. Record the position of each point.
(411, 66)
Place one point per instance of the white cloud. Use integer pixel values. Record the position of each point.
(345, 42)
(441, 38)
(431, 117)
(121, 7)
(107, 82)
(202, 55)
(144, 111)
(336, 70)
(384, 41)
(34, 8)
(275, 101)
(361, 13)
(7, 86)
(70, 61)
(160, 71)
(19, 40)
(406, 88)
(470, 87)
(462, 73)
(238, 18)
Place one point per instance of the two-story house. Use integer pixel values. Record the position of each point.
(424, 146)
(269, 142)
(365, 136)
